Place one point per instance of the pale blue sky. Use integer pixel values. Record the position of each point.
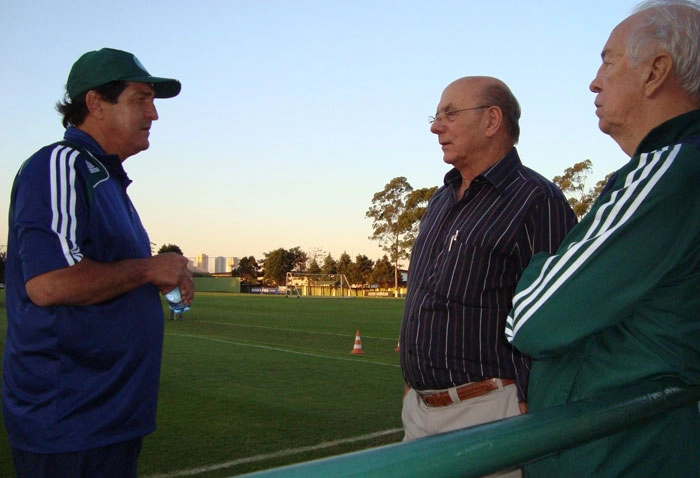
(294, 113)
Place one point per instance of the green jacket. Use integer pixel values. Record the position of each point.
(619, 304)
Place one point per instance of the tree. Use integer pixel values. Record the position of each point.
(597, 189)
(277, 264)
(170, 248)
(299, 259)
(314, 268)
(247, 270)
(344, 264)
(329, 265)
(360, 270)
(382, 272)
(314, 255)
(395, 213)
(573, 184)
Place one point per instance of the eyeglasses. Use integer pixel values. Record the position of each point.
(449, 115)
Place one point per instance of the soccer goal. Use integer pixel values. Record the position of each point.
(318, 285)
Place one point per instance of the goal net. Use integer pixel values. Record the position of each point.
(320, 285)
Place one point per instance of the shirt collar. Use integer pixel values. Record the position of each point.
(110, 161)
(497, 175)
(81, 138)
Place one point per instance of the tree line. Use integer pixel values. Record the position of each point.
(395, 212)
(272, 269)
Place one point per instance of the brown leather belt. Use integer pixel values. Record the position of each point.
(465, 392)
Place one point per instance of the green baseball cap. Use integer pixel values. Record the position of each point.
(97, 68)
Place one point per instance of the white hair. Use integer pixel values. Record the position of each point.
(671, 26)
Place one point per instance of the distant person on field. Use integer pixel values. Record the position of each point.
(85, 320)
(618, 304)
(477, 235)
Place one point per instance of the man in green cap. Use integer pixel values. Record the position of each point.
(85, 321)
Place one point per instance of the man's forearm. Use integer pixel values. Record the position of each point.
(87, 282)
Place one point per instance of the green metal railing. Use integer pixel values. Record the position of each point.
(477, 451)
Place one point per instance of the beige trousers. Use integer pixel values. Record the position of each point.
(420, 420)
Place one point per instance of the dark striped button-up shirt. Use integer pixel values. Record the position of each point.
(465, 263)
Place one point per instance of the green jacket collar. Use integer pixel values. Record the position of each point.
(670, 132)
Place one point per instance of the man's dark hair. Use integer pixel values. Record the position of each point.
(75, 111)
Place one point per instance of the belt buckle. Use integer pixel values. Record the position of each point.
(430, 399)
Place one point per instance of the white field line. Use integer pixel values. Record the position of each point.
(270, 456)
(277, 349)
(288, 330)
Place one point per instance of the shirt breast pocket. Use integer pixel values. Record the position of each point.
(478, 274)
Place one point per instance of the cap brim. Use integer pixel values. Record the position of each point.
(164, 87)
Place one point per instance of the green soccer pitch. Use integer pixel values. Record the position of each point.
(253, 382)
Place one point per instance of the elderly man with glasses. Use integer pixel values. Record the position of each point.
(478, 234)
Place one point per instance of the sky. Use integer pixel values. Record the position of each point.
(293, 114)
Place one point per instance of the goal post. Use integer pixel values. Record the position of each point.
(317, 285)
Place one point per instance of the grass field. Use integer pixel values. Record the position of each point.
(254, 382)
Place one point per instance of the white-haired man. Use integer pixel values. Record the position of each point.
(618, 304)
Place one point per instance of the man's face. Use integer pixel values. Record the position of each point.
(128, 122)
(459, 134)
(619, 87)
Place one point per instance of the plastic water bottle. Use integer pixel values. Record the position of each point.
(175, 301)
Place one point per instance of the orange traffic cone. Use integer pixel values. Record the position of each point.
(357, 348)
(398, 347)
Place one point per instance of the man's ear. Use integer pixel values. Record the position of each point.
(657, 73)
(94, 103)
(494, 119)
